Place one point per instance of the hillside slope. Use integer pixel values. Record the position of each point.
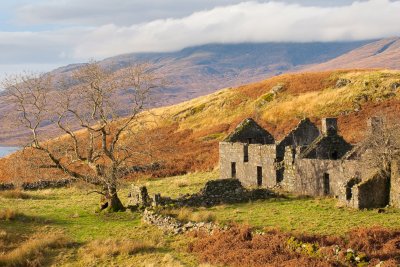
(201, 70)
(380, 54)
(186, 135)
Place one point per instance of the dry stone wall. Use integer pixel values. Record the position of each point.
(46, 184)
(43, 184)
(172, 225)
(215, 192)
(5, 186)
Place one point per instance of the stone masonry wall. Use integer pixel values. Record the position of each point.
(42, 184)
(318, 177)
(373, 193)
(248, 131)
(214, 192)
(258, 156)
(304, 134)
(4, 187)
(309, 163)
(331, 147)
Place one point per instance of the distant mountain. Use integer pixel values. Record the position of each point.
(380, 54)
(201, 70)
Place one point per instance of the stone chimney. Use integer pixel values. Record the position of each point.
(375, 124)
(329, 126)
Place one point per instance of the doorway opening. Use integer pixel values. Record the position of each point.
(327, 189)
(233, 169)
(259, 176)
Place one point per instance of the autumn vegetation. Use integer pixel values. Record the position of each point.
(184, 138)
(239, 246)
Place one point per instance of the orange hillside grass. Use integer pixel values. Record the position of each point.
(184, 137)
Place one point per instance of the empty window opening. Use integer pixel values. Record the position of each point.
(279, 175)
(259, 176)
(349, 188)
(246, 153)
(233, 169)
(349, 193)
(327, 189)
(335, 155)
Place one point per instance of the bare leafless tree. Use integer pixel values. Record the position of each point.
(380, 147)
(97, 153)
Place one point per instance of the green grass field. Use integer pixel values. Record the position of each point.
(121, 239)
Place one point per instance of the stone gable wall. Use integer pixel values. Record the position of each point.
(248, 131)
(304, 134)
(263, 156)
(331, 147)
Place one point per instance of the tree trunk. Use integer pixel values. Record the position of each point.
(111, 201)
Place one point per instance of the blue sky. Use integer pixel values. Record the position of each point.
(44, 34)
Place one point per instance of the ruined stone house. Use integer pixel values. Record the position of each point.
(308, 161)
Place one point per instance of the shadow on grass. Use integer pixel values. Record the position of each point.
(18, 194)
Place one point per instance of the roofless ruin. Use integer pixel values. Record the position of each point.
(308, 161)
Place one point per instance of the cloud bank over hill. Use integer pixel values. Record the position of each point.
(128, 12)
(80, 35)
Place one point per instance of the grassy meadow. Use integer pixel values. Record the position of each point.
(59, 227)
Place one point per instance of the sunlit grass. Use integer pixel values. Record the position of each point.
(101, 239)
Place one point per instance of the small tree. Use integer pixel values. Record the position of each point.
(96, 153)
(381, 146)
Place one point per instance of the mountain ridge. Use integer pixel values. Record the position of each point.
(201, 70)
(384, 53)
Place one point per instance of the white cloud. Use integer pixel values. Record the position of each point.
(127, 12)
(248, 22)
(119, 12)
(243, 22)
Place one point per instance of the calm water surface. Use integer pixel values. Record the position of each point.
(5, 151)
